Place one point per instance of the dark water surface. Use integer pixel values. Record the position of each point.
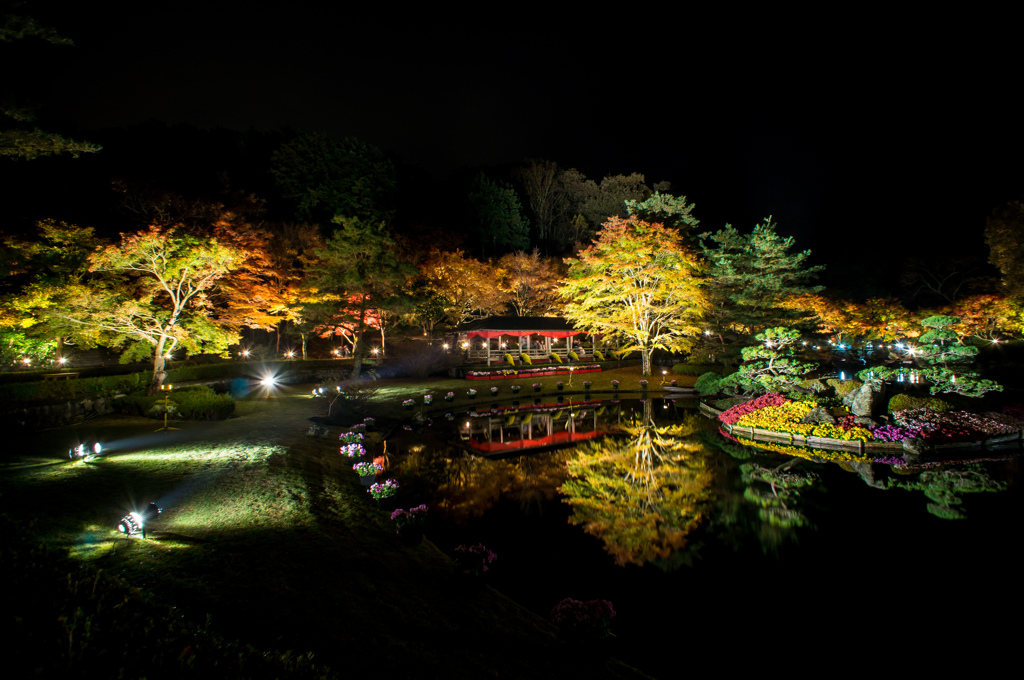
(714, 551)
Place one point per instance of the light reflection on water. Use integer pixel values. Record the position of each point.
(650, 494)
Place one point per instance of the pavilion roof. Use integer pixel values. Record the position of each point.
(492, 326)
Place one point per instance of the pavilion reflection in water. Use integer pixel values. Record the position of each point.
(538, 428)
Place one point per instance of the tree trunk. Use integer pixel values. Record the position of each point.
(303, 334)
(645, 353)
(158, 369)
(358, 348)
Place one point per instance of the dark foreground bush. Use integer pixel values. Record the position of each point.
(54, 391)
(69, 620)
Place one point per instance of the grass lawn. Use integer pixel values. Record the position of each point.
(268, 532)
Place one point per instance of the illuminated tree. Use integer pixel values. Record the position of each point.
(751, 278)
(672, 211)
(531, 283)
(637, 282)
(985, 317)
(771, 365)
(357, 271)
(949, 360)
(151, 292)
(463, 287)
(36, 276)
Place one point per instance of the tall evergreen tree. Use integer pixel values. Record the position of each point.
(497, 215)
(752, 278)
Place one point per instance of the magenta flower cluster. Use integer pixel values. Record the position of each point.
(592, 618)
(892, 433)
(353, 450)
(351, 438)
(412, 517)
(474, 559)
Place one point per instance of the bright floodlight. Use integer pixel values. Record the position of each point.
(268, 381)
(96, 448)
(62, 361)
(135, 522)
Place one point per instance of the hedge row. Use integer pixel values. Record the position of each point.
(55, 391)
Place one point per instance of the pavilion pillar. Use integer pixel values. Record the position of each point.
(488, 352)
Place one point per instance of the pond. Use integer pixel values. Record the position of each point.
(703, 543)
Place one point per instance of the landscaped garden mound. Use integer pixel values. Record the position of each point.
(777, 413)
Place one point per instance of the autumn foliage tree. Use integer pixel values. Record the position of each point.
(530, 282)
(637, 282)
(461, 287)
(356, 273)
(151, 292)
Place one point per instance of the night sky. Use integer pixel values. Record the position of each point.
(867, 138)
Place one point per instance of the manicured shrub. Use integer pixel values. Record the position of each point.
(902, 402)
(598, 355)
(574, 356)
(707, 384)
(510, 360)
(557, 359)
(843, 387)
(525, 358)
(189, 403)
(202, 403)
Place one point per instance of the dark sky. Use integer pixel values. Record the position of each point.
(863, 136)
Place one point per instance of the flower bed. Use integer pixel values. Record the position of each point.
(773, 417)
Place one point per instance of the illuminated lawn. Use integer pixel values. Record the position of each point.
(269, 532)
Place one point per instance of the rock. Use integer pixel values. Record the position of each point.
(913, 449)
(863, 401)
(816, 416)
(865, 421)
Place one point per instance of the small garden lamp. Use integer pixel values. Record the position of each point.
(166, 389)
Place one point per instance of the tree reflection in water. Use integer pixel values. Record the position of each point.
(464, 486)
(642, 494)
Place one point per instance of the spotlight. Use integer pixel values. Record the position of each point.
(135, 522)
(81, 451)
(268, 381)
